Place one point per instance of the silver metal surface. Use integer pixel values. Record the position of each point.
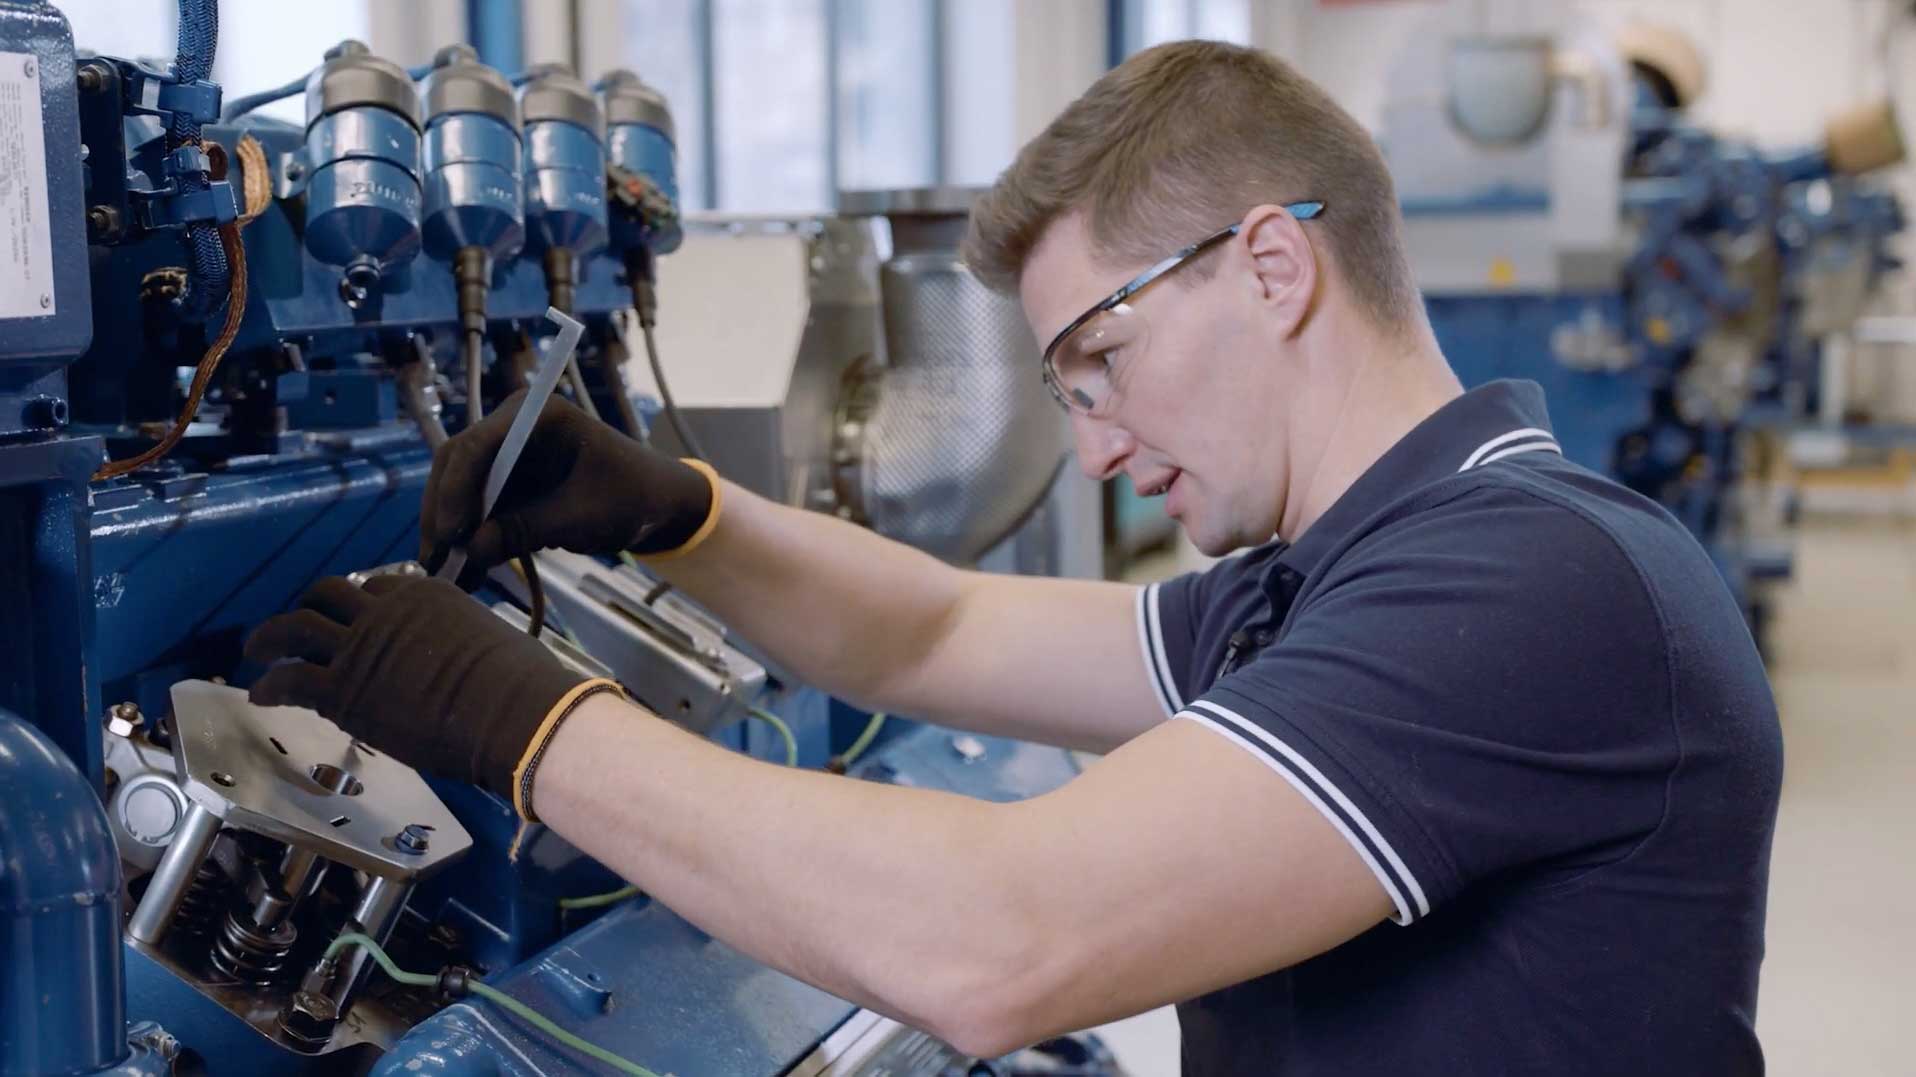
(557, 357)
(961, 442)
(674, 659)
(378, 910)
(931, 201)
(144, 803)
(170, 880)
(261, 769)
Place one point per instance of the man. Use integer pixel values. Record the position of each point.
(1471, 769)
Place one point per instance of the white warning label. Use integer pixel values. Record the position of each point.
(26, 250)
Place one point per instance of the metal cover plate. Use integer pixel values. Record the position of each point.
(254, 768)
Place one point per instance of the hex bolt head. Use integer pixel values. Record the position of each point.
(414, 839)
(122, 719)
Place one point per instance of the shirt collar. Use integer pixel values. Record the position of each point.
(1486, 424)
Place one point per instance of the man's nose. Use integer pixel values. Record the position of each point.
(1103, 447)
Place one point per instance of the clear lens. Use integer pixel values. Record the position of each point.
(1087, 369)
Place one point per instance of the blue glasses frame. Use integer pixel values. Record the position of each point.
(1303, 211)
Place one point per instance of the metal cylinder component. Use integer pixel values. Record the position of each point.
(565, 167)
(300, 872)
(59, 914)
(640, 138)
(170, 881)
(945, 447)
(362, 142)
(474, 175)
(377, 911)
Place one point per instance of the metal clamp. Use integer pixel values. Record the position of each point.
(170, 209)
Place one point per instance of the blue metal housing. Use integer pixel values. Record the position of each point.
(475, 186)
(649, 151)
(62, 1007)
(362, 200)
(565, 188)
(37, 349)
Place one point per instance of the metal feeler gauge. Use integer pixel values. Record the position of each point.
(558, 354)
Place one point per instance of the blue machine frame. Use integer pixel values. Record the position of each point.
(304, 463)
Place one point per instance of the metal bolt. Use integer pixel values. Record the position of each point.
(122, 719)
(46, 300)
(91, 79)
(414, 839)
(27, 68)
(103, 220)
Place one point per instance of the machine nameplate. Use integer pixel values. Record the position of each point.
(26, 247)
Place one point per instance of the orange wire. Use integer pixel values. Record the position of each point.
(203, 375)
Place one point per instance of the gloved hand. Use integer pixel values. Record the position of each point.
(417, 669)
(579, 485)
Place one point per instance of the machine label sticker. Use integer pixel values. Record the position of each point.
(26, 245)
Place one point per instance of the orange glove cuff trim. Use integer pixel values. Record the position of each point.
(529, 759)
(711, 516)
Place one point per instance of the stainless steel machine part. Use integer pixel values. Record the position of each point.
(537, 393)
(378, 910)
(949, 446)
(288, 774)
(170, 880)
(677, 660)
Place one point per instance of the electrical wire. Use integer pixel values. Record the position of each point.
(865, 737)
(691, 444)
(596, 900)
(536, 596)
(493, 995)
(209, 364)
(785, 731)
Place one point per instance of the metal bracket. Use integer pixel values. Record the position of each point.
(293, 776)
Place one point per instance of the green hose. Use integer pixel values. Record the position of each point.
(494, 995)
(610, 897)
(773, 720)
(864, 741)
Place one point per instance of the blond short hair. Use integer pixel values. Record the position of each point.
(1183, 139)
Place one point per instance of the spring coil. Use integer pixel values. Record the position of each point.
(206, 898)
(246, 953)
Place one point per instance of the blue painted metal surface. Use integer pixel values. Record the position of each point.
(184, 566)
(642, 982)
(565, 188)
(35, 351)
(62, 1008)
(362, 200)
(475, 187)
(47, 675)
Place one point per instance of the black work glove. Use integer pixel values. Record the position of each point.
(417, 669)
(580, 485)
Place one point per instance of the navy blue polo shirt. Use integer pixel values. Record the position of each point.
(1525, 697)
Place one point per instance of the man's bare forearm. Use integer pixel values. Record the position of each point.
(800, 870)
(892, 628)
(840, 605)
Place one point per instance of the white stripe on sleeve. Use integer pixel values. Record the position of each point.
(1146, 601)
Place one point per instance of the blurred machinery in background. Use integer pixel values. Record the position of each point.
(1670, 288)
(180, 870)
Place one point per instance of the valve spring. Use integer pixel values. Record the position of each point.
(246, 953)
(206, 897)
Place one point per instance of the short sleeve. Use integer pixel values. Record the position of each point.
(1174, 615)
(1480, 688)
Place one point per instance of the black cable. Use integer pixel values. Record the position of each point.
(686, 439)
(536, 619)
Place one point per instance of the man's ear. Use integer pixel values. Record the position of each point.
(1285, 270)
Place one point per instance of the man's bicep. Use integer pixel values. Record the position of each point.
(1181, 864)
(1046, 659)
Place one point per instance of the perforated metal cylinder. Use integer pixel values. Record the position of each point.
(960, 442)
